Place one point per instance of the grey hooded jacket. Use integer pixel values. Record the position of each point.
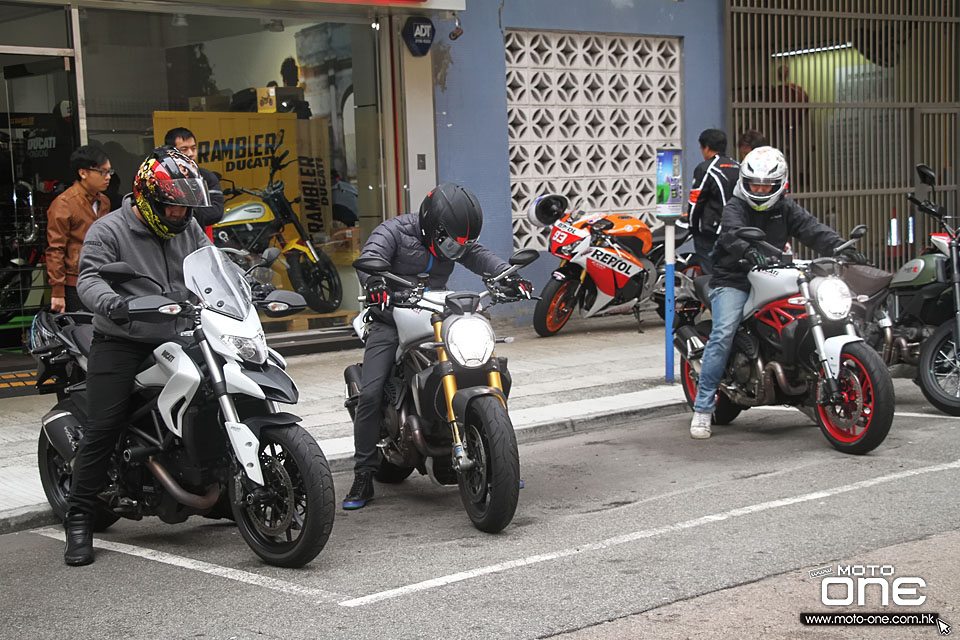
(121, 236)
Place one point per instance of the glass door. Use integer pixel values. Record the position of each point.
(38, 132)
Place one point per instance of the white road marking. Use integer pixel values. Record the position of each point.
(204, 567)
(898, 414)
(640, 535)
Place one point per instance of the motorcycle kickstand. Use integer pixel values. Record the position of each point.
(636, 315)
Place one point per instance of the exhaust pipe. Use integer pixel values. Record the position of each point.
(351, 376)
(412, 426)
(64, 431)
(688, 342)
(184, 497)
(782, 382)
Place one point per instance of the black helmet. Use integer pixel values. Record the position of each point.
(450, 220)
(168, 177)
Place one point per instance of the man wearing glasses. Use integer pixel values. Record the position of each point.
(68, 218)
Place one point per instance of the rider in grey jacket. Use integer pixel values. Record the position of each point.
(443, 233)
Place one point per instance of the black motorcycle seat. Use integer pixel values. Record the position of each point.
(866, 280)
(702, 288)
(81, 335)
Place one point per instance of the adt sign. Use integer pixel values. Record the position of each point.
(418, 34)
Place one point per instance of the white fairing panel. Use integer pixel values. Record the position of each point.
(216, 325)
(181, 381)
(413, 325)
(238, 383)
(767, 286)
(361, 325)
(247, 212)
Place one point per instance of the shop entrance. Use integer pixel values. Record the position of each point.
(38, 131)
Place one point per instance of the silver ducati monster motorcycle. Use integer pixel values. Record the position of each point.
(206, 435)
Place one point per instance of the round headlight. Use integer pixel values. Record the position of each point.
(468, 340)
(833, 298)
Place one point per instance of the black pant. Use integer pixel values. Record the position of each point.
(703, 243)
(112, 366)
(72, 299)
(378, 355)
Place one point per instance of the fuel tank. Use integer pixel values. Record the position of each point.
(919, 271)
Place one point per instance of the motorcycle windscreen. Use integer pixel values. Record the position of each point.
(218, 282)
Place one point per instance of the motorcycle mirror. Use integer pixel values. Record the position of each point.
(524, 257)
(371, 264)
(927, 175)
(118, 272)
(281, 303)
(269, 256)
(858, 232)
(750, 234)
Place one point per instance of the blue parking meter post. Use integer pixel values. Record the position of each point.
(669, 281)
(669, 205)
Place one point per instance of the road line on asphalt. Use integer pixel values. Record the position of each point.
(238, 575)
(899, 414)
(640, 535)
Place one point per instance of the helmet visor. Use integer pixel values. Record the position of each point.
(185, 192)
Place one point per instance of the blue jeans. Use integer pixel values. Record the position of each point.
(726, 306)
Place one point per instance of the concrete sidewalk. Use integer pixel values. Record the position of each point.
(593, 374)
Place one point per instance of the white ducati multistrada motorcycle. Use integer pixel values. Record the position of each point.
(206, 435)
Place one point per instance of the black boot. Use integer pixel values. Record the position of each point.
(361, 492)
(79, 530)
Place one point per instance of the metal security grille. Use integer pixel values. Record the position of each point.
(855, 93)
(586, 113)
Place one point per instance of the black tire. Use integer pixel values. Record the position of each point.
(55, 477)
(864, 381)
(554, 307)
(937, 366)
(490, 490)
(292, 526)
(724, 411)
(319, 282)
(389, 473)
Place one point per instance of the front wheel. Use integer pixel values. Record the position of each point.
(862, 420)
(288, 520)
(938, 369)
(318, 282)
(490, 490)
(555, 306)
(55, 478)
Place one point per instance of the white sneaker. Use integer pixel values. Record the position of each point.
(700, 425)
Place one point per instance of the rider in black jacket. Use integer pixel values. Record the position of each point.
(443, 233)
(713, 183)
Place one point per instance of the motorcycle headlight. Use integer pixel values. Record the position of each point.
(468, 340)
(247, 349)
(833, 298)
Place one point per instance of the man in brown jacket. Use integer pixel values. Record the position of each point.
(68, 219)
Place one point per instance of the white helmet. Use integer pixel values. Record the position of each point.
(763, 178)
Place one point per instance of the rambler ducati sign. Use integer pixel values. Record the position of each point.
(418, 34)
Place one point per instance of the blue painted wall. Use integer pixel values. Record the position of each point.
(471, 99)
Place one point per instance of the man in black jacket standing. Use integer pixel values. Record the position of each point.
(444, 232)
(713, 182)
(759, 200)
(183, 140)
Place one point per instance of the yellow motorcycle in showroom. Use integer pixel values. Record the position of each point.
(249, 227)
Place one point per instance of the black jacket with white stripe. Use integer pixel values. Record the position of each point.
(713, 182)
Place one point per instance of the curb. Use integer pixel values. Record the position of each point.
(40, 515)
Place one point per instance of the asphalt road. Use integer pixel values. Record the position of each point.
(633, 531)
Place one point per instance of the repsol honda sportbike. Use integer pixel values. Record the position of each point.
(252, 226)
(912, 316)
(445, 402)
(796, 346)
(610, 264)
(206, 435)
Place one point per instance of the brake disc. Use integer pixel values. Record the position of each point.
(849, 383)
(256, 511)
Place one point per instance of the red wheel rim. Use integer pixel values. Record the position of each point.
(860, 427)
(556, 317)
(687, 372)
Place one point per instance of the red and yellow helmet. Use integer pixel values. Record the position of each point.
(168, 177)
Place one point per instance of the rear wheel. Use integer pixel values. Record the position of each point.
(55, 478)
(490, 490)
(555, 306)
(862, 420)
(939, 369)
(725, 410)
(318, 282)
(288, 520)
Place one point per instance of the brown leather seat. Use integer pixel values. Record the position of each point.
(866, 280)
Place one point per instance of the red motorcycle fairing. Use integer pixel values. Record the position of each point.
(610, 269)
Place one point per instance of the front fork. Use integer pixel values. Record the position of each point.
(831, 384)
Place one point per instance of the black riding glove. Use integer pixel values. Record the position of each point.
(756, 259)
(119, 313)
(516, 286)
(377, 293)
(850, 254)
